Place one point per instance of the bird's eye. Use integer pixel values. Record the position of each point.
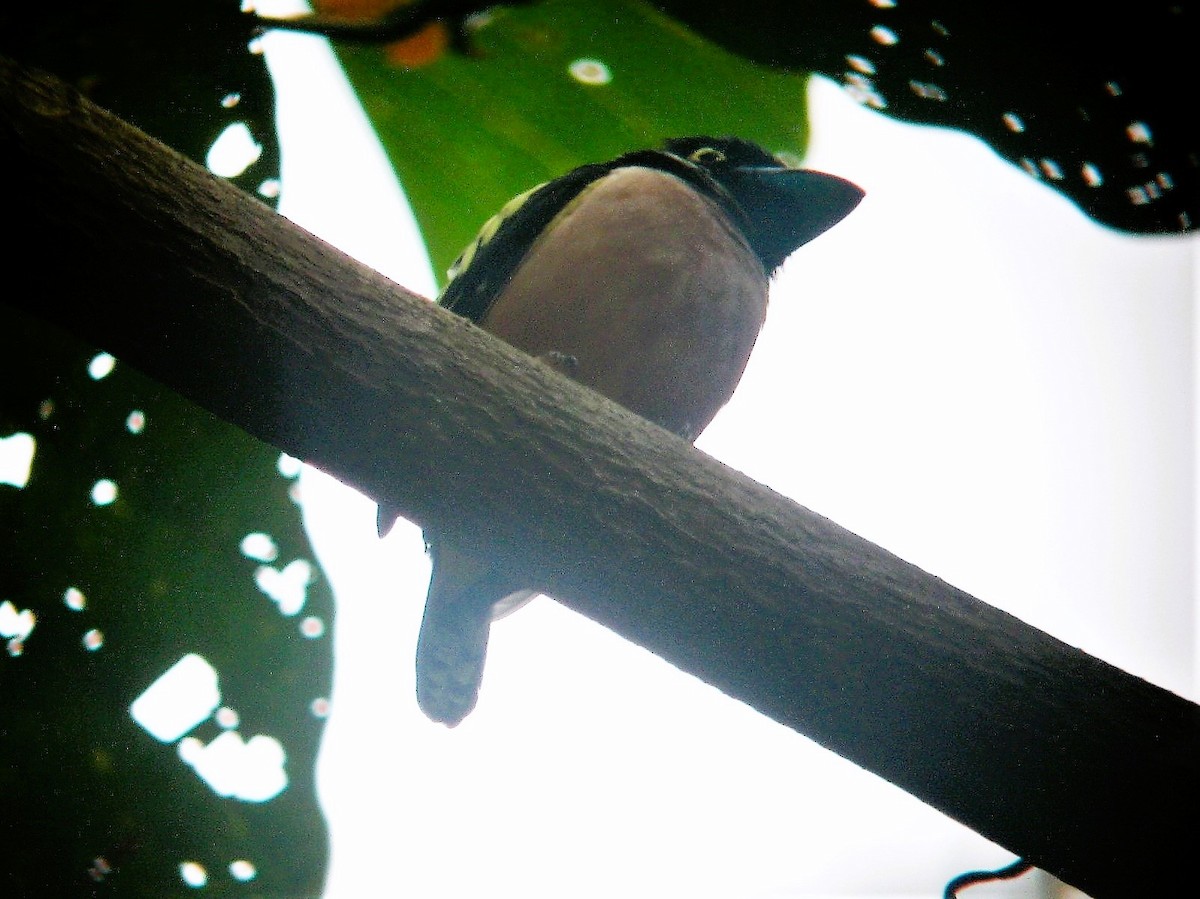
(707, 156)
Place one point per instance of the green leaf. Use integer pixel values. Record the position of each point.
(470, 131)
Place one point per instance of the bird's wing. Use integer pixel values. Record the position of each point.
(486, 265)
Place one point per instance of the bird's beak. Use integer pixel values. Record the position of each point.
(786, 208)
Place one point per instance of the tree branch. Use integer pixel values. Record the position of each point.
(1077, 766)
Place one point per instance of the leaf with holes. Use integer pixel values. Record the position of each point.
(130, 605)
(160, 706)
(1098, 106)
(183, 72)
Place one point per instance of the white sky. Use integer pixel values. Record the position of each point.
(965, 371)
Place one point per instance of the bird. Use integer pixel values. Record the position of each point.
(644, 278)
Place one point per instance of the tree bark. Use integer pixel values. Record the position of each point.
(1081, 768)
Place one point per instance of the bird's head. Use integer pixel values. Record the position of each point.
(778, 207)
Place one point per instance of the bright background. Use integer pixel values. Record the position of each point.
(966, 371)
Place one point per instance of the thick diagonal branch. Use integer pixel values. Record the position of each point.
(1081, 768)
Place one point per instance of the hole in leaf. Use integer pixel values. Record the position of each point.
(74, 599)
(590, 71)
(861, 64)
(287, 587)
(251, 771)
(179, 699)
(16, 458)
(927, 91)
(104, 492)
(242, 870)
(193, 874)
(881, 34)
(289, 466)
(260, 547)
(101, 366)
(1013, 122)
(18, 625)
(234, 151)
(1139, 133)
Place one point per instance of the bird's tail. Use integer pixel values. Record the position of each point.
(450, 654)
(463, 598)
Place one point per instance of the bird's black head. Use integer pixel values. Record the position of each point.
(780, 208)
